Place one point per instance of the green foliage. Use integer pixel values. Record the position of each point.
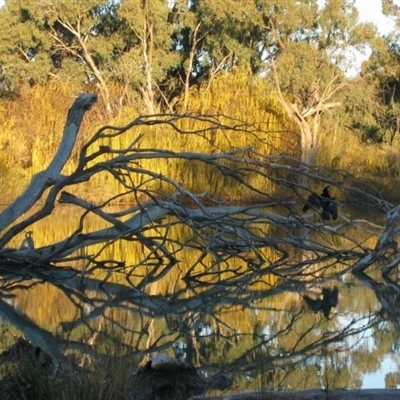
(315, 44)
(155, 49)
(382, 73)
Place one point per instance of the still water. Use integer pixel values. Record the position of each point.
(319, 328)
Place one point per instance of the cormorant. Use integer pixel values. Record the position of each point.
(330, 209)
(323, 201)
(28, 243)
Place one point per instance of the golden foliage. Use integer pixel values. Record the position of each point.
(32, 126)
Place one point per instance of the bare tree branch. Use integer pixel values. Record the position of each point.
(52, 174)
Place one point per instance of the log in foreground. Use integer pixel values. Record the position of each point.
(313, 394)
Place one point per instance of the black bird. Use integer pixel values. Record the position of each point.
(329, 300)
(330, 209)
(323, 201)
(314, 201)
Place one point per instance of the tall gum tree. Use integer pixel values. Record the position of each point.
(212, 37)
(148, 55)
(311, 48)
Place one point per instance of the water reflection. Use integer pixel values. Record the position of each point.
(324, 301)
(232, 314)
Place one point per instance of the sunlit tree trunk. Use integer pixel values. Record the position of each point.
(308, 119)
(195, 41)
(147, 40)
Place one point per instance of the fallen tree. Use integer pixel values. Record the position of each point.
(231, 227)
(239, 237)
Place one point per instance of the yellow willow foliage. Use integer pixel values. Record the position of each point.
(338, 149)
(34, 130)
(45, 114)
(378, 163)
(32, 127)
(239, 96)
(6, 156)
(14, 146)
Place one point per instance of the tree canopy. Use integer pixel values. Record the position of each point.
(154, 49)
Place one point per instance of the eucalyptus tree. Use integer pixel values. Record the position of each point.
(312, 50)
(140, 46)
(210, 37)
(71, 40)
(148, 56)
(311, 43)
(382, 72)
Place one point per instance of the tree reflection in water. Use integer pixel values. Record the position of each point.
(248, 322)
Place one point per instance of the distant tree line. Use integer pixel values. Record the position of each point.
(150, 53)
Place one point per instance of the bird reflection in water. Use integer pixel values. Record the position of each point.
(328, 301)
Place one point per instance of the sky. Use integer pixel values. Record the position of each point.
(370, 11)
